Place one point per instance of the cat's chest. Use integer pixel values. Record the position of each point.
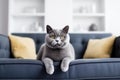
(56, 54)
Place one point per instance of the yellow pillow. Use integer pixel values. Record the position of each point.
(22, 47)
(99, 48)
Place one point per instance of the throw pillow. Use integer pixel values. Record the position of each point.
(99, 48)
(116, 48)
(22, 47)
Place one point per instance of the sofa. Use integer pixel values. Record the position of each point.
(80, 69)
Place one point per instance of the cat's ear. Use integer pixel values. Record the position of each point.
(49, 29)
(65, 29)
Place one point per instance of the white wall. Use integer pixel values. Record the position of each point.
(113, 16)
(3, 16)
(60, 15)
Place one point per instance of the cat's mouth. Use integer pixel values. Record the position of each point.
(57, 45)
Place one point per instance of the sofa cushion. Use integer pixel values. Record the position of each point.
(95, 69)
(23, 47)
(81, 69)
(99, 48)
(116, 48)
(4, 46)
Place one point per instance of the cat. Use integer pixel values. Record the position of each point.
(57, 47)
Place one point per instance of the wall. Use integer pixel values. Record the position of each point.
(3, 16)
(60, 15)
(113, 16)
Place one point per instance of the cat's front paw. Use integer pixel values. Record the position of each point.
(64, 67)
(50, 70)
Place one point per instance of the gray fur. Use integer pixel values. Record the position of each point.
(56, 49)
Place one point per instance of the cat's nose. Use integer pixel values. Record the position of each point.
(56, 40)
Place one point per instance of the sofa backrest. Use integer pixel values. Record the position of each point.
(78, 40)
(4, 47)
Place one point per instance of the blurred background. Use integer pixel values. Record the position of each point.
(83, 16)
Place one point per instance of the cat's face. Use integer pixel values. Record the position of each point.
(57, 38)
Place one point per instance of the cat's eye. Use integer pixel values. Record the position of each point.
(62, 37)
(52, 36)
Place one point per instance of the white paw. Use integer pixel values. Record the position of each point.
(64, 67)
(50, 70)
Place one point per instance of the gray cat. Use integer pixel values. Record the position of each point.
(56, 47)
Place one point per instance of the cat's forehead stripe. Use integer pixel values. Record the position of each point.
(57, 32)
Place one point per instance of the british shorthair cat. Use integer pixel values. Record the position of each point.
(57, 47)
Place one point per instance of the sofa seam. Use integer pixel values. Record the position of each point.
(94, 62)
(70, 64)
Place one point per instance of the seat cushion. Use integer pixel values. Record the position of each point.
(101, 69)
(95, 69)
(23, 47)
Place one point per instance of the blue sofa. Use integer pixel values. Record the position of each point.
(80, 69)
